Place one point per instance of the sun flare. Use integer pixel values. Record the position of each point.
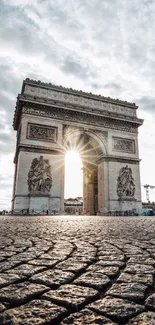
(72, 156)
(73, 174)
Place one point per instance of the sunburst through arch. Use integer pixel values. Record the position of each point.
(82, 155)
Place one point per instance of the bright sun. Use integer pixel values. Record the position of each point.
(72, 155)
(73, 174)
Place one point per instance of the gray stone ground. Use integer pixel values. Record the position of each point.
(77, 270)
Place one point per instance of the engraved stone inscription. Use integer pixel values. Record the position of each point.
(41, 132)
(39, 176)
(125, 183)
(124, 145)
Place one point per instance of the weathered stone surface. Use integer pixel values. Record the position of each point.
(133, 291)
(105, 261)
(25, 270)
(20, 293)
(6, 279)
(44, 262)
(52, 278)
(37, 312)
(147, 318)
(120, 309)
(96, 280)
(111, 271)
(146, 279)
(141, 259)
(150, 302)
(71, 295)
(70, 245)
(86, 317)
(140, 268)
(71, 265)
(2, 307)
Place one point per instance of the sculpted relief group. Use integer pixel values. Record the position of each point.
(49, 119)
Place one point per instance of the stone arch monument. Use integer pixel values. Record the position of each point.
(49, 120)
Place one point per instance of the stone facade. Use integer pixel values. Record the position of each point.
(48, 119)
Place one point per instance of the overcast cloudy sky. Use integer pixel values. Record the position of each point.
(102, 46)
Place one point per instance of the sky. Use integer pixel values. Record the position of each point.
(106, 47)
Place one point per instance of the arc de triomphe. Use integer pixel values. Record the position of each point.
(49, 120)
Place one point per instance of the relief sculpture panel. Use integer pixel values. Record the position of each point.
(39, 176)
(125, 183)
(41, 132)
(123, 145)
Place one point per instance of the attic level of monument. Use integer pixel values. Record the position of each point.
(77, 92)
(58, 97)
(50, 120)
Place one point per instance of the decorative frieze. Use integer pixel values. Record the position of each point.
(125, 183)
(83, 99)
(123, 145)
(39, 176)
(41, 132)
(79, 117)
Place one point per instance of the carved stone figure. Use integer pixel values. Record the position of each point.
(125, 183)
(39, 176)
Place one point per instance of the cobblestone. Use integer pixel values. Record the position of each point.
(77, 270)
(87, 317)
(71, 296)
(37, 312)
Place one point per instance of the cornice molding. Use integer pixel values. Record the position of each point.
(124, 160)
(21, 100)
(80, 117)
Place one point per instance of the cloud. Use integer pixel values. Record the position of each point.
(147, 104)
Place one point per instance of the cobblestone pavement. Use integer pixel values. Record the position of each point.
(77, 270)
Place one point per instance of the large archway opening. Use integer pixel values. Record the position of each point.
(73, 175)
(82, 170)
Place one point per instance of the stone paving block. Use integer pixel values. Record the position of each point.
(25, 270)
(6, 279)
(146, 279)
(86, 317)
(141, 259)
(2, 307)
(95, 280)
(36, 312)
(140, 268)
(71, 265)
(131, 291)
(112, 257)
(150, 302)
(23, 257)
(52, 278)
(147, 318)
(83, 258)
(20, 293)
(5, 254)
(111, 271)
(120, 309)
(57, 255)
(7, 265)
(105, 261)
(44, 262)
(71, 296)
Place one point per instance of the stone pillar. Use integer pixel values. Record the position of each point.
(103, 188)
(85, 190)
(91, 198)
